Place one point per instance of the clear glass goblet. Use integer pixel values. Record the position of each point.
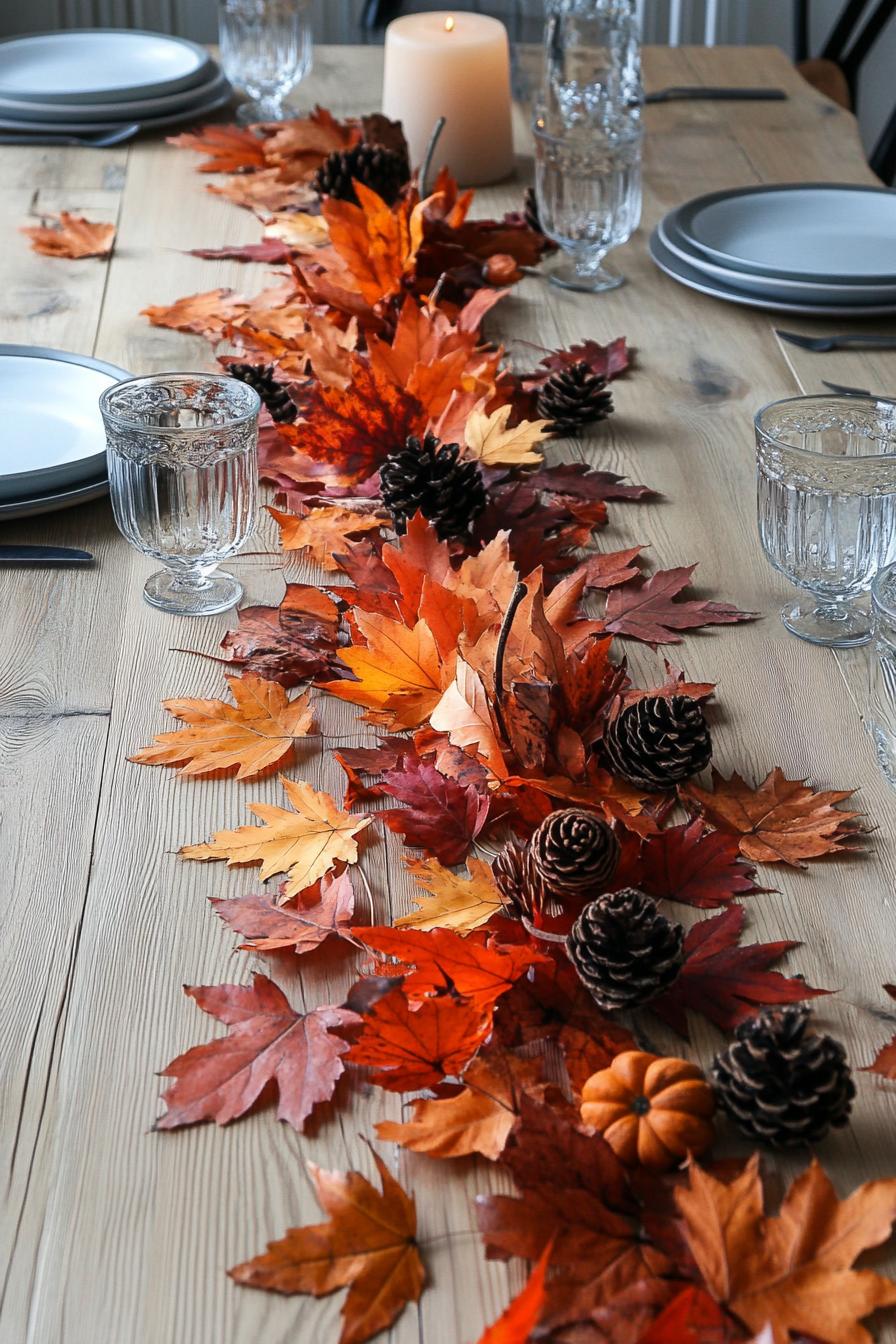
(880, 717)
(588, 190)
(183, 473)
(826, 507)
(266, 49)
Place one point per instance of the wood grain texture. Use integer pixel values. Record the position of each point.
(114, 1234)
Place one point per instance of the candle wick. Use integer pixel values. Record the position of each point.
(449, 24)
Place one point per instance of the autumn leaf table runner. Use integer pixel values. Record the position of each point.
(443, 889)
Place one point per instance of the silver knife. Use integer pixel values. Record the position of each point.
(702, 91)
(44, 555)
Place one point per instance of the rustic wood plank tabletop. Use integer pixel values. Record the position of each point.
(113, 1235)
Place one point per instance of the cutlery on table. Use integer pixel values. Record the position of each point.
(681, 93)
(843, 391)
(44, 556)
(845, 340)
(104, 140)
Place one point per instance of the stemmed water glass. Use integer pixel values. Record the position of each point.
(880, 718)
(826, 501)
(183, 470)
(266, 49)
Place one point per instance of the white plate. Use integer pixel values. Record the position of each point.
(53, 437)
(84, 127)
(704, 284)
(91, 65)
(31, 505)
(771, 287)
(130, 111)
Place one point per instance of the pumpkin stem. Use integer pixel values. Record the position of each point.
(640, 1105)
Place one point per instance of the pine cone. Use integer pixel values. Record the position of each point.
(273, 393)
(385, 171)
(780, 1082)
(428, 476)
(530, 211)
(516, 878)
(574, 851)
(574, 397)
(624, 950)
(658, 742)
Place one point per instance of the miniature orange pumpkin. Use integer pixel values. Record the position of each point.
(650, 1109)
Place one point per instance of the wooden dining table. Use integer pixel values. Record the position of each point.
(112, 1234)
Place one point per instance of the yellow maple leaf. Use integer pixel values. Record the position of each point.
(489, 441)
(399, 670)
(324, 532)
(253, 735)
(305, 843)
(454, 902)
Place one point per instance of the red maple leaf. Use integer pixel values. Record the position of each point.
(442, 960)
(267, 1042)
(416, 1045)
(441, 815)
(645, 609)
(608, 361)
(271, 251)
(687, 863)
(725, 982)
(326, 908)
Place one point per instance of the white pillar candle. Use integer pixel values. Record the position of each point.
(455, 66)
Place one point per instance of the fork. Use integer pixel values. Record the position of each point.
(841, 341)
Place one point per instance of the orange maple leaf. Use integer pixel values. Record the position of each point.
(206, 314)
(368, 1246)
(375, 244)
(518, 1320)
(251, 736)
(453, 902)
(324, 532)
(399, 671)
(230, 149)
(412, 1046)
(264, 190)
(73, 237)
(792, 1272)
(443, 961)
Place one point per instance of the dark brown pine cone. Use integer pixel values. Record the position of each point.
(273, 393)
(432, 477)
(574, 397)
(658, 742)
(624, 950)
(782, 1083)
(517, 880)
(385, 171)
(574, 852)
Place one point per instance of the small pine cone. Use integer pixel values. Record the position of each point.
(574, 851)
(385, 171)
(782, 1083)
(273, 393)
(430, 476)
(530, 211)
(624, 950)
(574, 397)
(517, 880)
(658, 742)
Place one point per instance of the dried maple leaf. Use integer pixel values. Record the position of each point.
(253, 735)
(440, 814)
(368, 1246)
(302, 232)
(376, 244)
(325, 531)
(463, 713)
(454, 902)
(519, 1319)
(264, 190)
(443, 961)
(725, 982)
(478, 1119)
(271, 252)
(688, 864)
(300, 925)
(289, 643)
(884, 1061)
(305, 843)
(792, 1271)
(267, 1042)
(645, 609)
(608, 361)
(231, 149)
(780, 821)
(691, 1317)
(608, 569)
(412, 1046)
(399, 672)
(207, 314)
(490, 442)
(73, 237)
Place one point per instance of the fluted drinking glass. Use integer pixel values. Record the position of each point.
(266, 49)
(826, 504)
(880, 717)
(183, 472)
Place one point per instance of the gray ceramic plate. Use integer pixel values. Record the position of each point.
(92, 65)
(132, 109)
(86, 127)
(32, 505)
(53, 437)
(704, 284)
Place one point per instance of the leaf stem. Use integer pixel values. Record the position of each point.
(517, 596)
(427, 157)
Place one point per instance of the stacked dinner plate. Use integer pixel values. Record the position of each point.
(821, 250)
(53, 446)
(99, 79)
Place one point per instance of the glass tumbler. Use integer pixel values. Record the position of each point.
(588, 190)
(183, 472)
(826, 504)
(880, 719)
(266, 49)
